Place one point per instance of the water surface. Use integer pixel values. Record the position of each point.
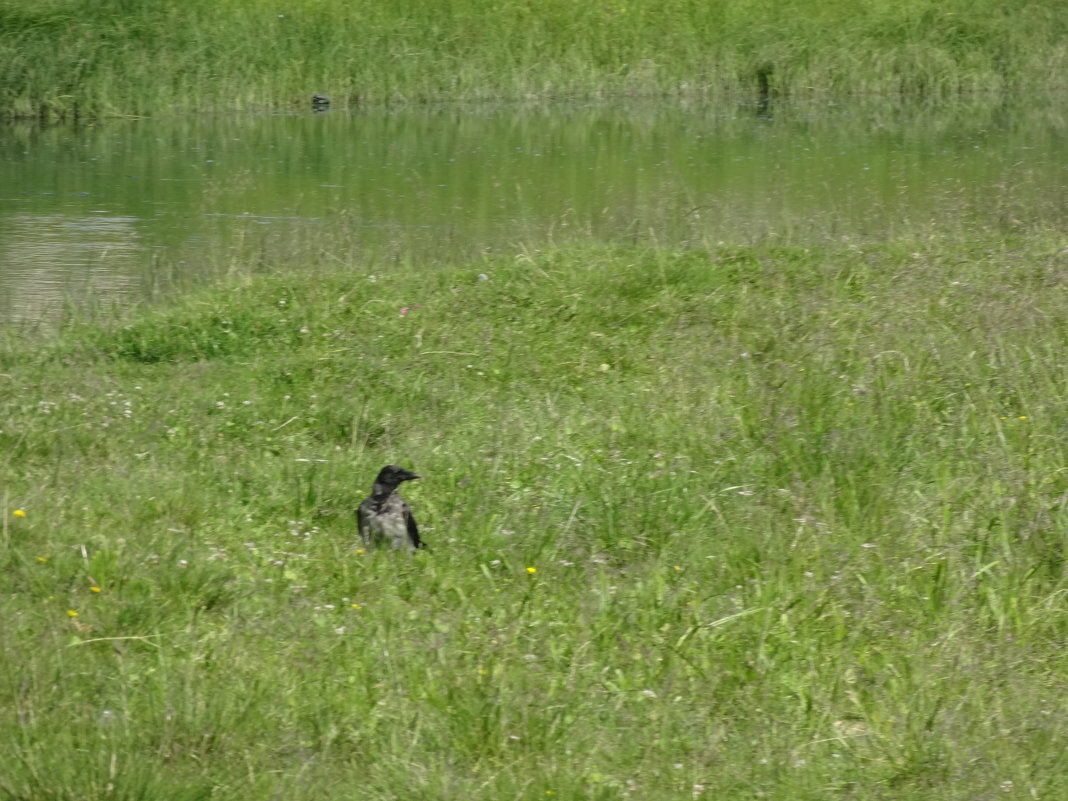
(117, 211)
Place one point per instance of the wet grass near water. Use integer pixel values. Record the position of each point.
(75, 58)
(748, 522)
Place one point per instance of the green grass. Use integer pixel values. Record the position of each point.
(69, 58)
(797, 518)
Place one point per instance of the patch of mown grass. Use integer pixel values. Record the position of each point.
(70, 58)
(750, 521)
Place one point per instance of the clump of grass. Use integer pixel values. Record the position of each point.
(70, 57)
(779, 521)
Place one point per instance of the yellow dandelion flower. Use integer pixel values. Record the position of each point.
(532, 570)
(19, 513)
(678, 567)
(359, 550)
(42, 559)
(71, 613)
(94, 588)
(356, 606)
(1022, 417)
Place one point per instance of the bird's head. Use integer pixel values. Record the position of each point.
(392, 476)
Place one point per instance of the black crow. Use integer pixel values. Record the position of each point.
(384, 518)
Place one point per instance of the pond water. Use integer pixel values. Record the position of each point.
(121, 210)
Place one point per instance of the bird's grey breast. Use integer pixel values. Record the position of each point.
(386, 522)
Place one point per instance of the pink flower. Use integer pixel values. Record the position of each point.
(404, 311)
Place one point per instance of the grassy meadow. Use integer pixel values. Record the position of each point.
(774, 522)
(86, 58)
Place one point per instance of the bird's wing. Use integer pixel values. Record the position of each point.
(362, 513)
(413, 529)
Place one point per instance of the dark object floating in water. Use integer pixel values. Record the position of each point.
(384, 519)
(320, 102)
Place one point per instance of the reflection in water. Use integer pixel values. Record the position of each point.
(117, 210)
(49, 258)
